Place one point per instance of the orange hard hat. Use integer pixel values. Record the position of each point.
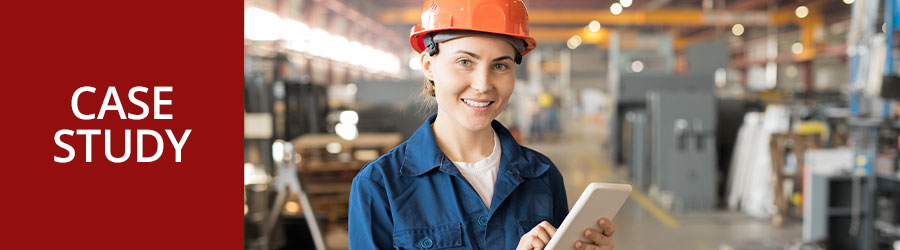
(503, 17)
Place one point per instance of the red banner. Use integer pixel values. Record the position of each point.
(167, 74)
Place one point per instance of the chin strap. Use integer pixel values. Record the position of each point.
(430, 45)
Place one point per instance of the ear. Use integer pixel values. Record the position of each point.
(426, 65)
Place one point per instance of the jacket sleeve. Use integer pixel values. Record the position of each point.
(370, 223)
(560, 202)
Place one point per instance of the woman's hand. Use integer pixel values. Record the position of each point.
(600, 240)
(538, 237)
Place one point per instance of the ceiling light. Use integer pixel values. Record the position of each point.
(797, 48)
(594, 26)
(615, 8)
(737, 29)
(802, 11)
(637, 66)
(573, 42)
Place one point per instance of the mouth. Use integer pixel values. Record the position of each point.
(477, 104)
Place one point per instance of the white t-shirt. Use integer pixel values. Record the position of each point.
(483, 174)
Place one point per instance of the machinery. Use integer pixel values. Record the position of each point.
(669, 138)
(683, 148)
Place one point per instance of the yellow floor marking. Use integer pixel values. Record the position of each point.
(651, 207)
(636, 195)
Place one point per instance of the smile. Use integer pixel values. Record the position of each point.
(477, 103)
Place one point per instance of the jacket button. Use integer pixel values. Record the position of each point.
(483, 220)
(427, 243)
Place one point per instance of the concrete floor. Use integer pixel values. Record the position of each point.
(581, 157)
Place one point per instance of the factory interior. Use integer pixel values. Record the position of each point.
(739, 124)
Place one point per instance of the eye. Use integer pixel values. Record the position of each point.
(464, 62)
(501, 66)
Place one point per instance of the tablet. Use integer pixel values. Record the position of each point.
(598, 200)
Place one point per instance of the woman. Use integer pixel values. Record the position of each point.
(461, 181)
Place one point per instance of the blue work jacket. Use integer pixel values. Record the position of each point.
(414, 197)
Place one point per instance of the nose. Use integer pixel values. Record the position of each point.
(481, 81)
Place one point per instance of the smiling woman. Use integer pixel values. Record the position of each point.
(473, 78)
(461, 180)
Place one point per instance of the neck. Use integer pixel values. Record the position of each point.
(461, 144)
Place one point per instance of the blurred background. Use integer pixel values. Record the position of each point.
(741, 124)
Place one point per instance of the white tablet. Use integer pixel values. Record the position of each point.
(598, 200)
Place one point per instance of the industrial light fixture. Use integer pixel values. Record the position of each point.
(346, 128)
(802, 11)
(333, 147)
(594, 26)
(294, 34)
(262, 25)
(349, 117)
(849, 1)
(797, 48)
(637, 66)
(574, 42)
(625, 3)
(346, 131)
(338, 53)
(615, 8)
(737, 29)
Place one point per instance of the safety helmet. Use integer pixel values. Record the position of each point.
(502, 17)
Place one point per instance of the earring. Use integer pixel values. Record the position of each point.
(432, 87)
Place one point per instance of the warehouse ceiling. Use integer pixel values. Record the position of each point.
(556, 21)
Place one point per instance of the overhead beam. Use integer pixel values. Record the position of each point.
(661, 17)
(629, 39)
(664, 17)
(359, 19)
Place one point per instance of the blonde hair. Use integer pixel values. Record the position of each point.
(427, 97)
(428, 87)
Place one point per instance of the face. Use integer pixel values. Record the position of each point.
(474, 77)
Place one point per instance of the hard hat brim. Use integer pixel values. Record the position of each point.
(415, 40)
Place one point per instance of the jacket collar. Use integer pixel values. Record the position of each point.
(422, 154)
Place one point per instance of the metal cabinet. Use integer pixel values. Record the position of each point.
(683, 149)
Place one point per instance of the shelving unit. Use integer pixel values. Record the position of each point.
(847, 215)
